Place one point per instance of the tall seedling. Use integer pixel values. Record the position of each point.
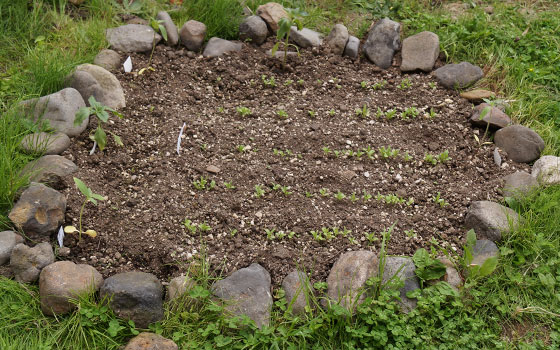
(102, 114)
(285, 24)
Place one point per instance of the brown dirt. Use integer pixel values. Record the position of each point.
(151, 192)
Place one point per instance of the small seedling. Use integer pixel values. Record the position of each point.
(371, 237)
(204, 227)
(324, 192)
(301, 82)
(270, 233)
(339, 196)
(189, 225)
(229, 185)
(268, 82)
(89, 197)
(288, 82)
(203, 184)
(407, 157)
(233, 232)
(259, 191)
(353, 197)
(366, 196)
(285, 190)
(326, 150)
(311, 113)
(379, 113)
(369, 152)
(405, 84)
(282, 113)
(379, 85)
(102, 113)
(439, 200)
(308, 194)
(390, 114)
(388, 152)
(241, 148)
(432, 85)
(317, 235)
(363, 112)
(410, 233)
(443, 156)
(432, 114)
(410, 112)
(243, 111)
(332, 112)
(364, 84)
(429, 158)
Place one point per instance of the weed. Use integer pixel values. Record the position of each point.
(427, 268)
(268, 82)
(259, 191)
(102, 113)
(243, 111)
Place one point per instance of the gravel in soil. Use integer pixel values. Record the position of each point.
(281, 167)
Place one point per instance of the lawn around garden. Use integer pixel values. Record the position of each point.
(273, 178)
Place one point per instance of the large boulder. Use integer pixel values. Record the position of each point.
(521, 144)
(8, 240)
(59, 109)
(93, 80)
(382, 42)
(547, 170)
(348, 276)
(420, 51)
(247, 292)
(45, 143)
(352, 48)
(108, 59)
(192, 35)
(298, 291)
(132, 38)
(150, 341)
(27, 263)
(253, 29)
(402, 268)
(39, 211)
(272, 13)
(306, 37)
(458, 76)
(217, 47)
(490, 220)
(519, 183)
(50, 170)
(492, 117)
(135, 296)
(337, 39)
(170, 27)
(63, 280)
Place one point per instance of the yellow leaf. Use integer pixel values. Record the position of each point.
(91, 233)
(70, 229)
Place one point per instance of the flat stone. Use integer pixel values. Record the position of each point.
(521, 144)
(49, 170)
(170, 27)
(150, 341)
(59, 109)
(519, 183)
(477, 95)
(253, 29)
(45, 143)
(348, 175)
(306, 37)
(483, 250)
(27, 263)
(212, 169)
(298, 291)
(348, 276)
(110, 93)
(352, 48)
(192, 35)
(217, 47)
(382, 42)
(132, 38)
(39, 211)
(490, 220)
(64, 280)
(179, 286)
(406, 274)
(271, 13)
(8, 240)
(247, 292)
(420, 51)
(493, 118)
(108, 59)
(547, 170)
(280, 54)
(458, 76)
(337, 39)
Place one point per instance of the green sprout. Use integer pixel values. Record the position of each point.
(102, 113)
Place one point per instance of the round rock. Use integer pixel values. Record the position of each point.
(490, 220)
(150, 341)
(522, 144)
(483, 250)
(112, 94)
(192, 35)
(27, 263)
(458, 76)
(8, 240)
(298, 291)
(306, 37)
(272, 13)
(63, 280)
(382, 42)
(50, 170)
(420, 51)
(492, 117)
(519, 183)
(253, 29)
(337, 39)
(132, 38)
(170, 27)
(135, 296)
(217, 47)
(108, 59)
(547, 170)
(352, 48)
(402, 268)
(45, 143)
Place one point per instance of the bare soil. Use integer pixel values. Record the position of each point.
(150, 187)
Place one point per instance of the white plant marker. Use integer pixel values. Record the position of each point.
(127, 65)
(179, 139)
(60, 237)
(93, 148)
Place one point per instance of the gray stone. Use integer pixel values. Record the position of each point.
(272, 13)
(522, 144)
(497, 156)
(352, 48)
(420, 51)
(306, 37)
(337, 39)
(27, 263)
(253, 29)
(192, 35)
(493, 117)
(348, 276)
(212, 169)
(217, 47)
(547, 170)
(458, 76)
(63, 280)
(451, 274)
(247, 292)
(50, 170)
(519, 183)
(135, 296)
(39, 211)
(298, 290)
(8, 240)
(179, 286)
(483, 250)
(132, 38)
(45, 143)
(86, 85)
(280, 54)
(477, 95)
(382, 42)
(490, 220)
(150, 341)
(112, 94)
(59, 109)
(108, 59)
(170, 27)
(403, 269)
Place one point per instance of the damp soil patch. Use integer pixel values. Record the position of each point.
(286, 168)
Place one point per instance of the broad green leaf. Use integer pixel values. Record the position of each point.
(284, 26)
(103, 115)
(484, 112)
(471, 238)
(488, 266)
(163, 32)
(93, 102)
(118, 140)
(81, 115)
(70, 229)
(93, 200)
(275, 48)
(101, 138)
(421, 258)
(82, 187)
(98, 196)
(547, 279)
(445, 288)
